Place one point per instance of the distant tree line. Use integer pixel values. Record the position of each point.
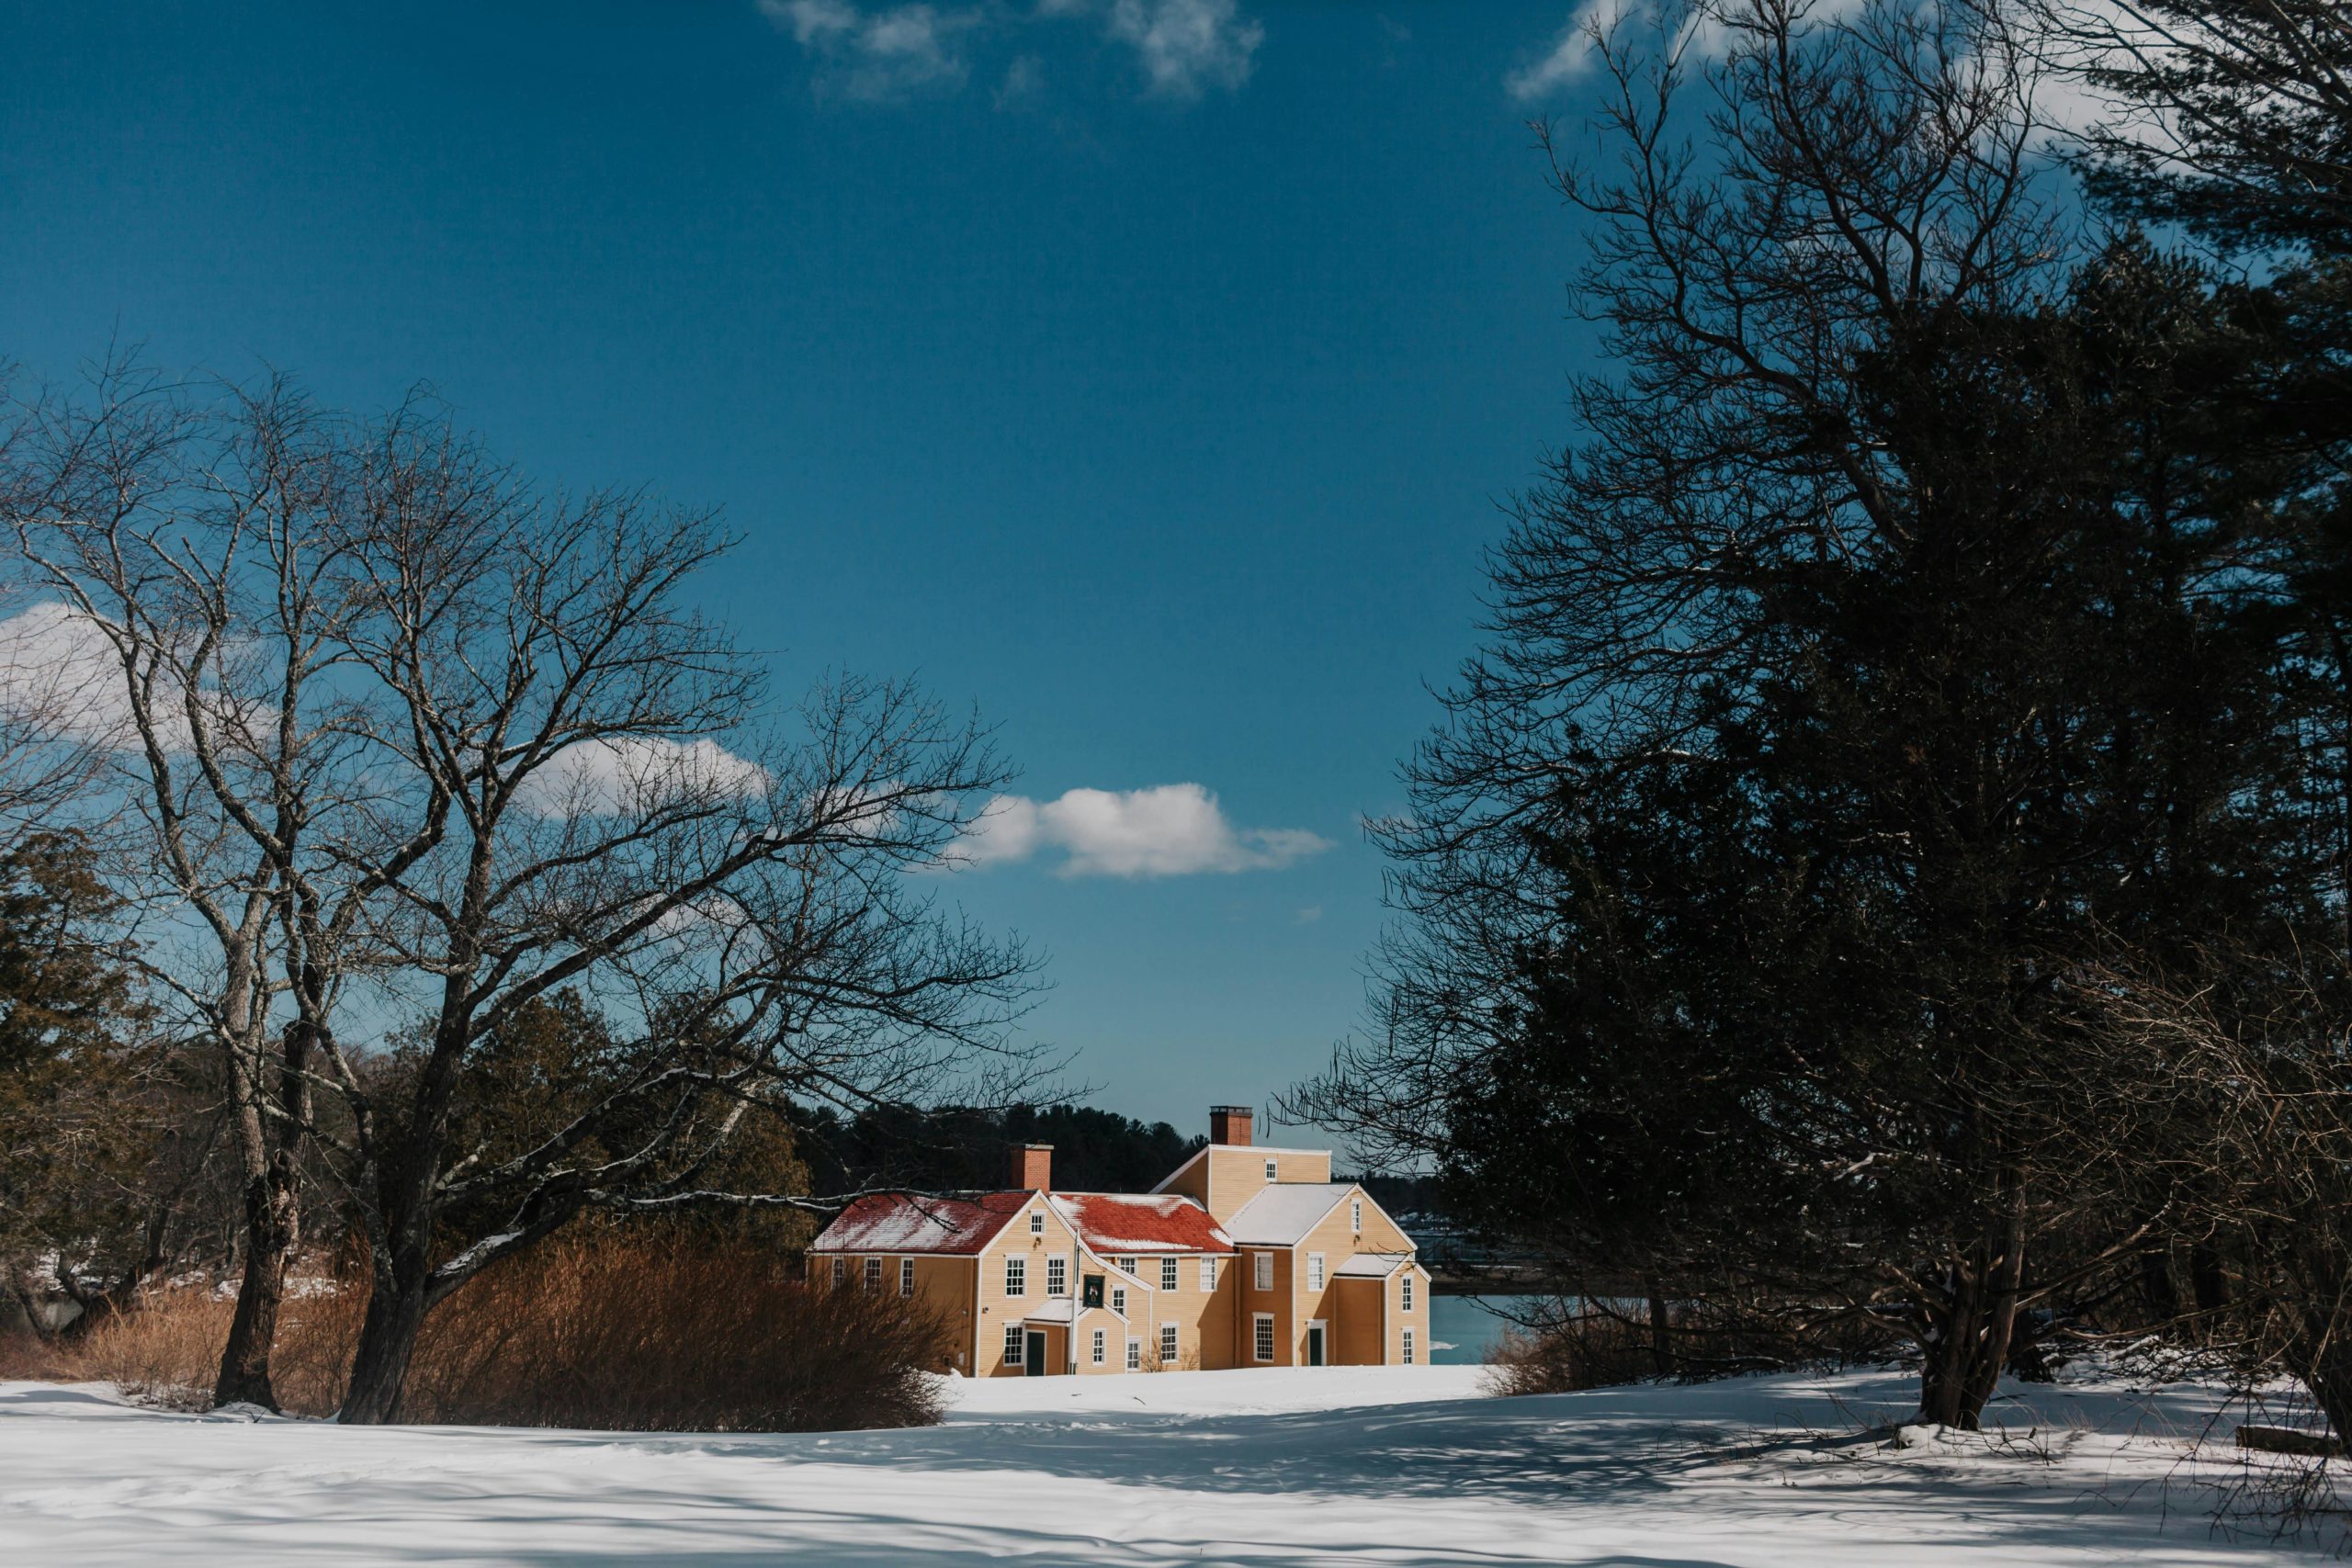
(963, 1148)
(1884, 881)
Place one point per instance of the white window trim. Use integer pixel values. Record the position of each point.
(1355, 1215)
(1409, 1348)
(873, 1273)
(1016, 1276)
(1169, 1273)
(1134, 1355)
(1314, 1276)
(841, 1272)
(1129, 1265)
(1262, 1337)
(906, 1276)
(1262, 1264)
(1016, 1345)
(1119, 1300)
(1274, 1170)
(1208, 1273)
(1171, 1345)
(1095, 1346)
(1057, 1276)
(1404, 1291)
(1036, 1221)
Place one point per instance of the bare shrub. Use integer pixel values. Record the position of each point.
(638, 1337)
(624, 1336)
(1590, 1351)
(163, 1349)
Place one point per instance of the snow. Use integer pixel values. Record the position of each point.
(1366, 1468)
(1281, 1216)
(1372, 1264)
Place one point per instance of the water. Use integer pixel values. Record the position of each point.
(1461, 1329)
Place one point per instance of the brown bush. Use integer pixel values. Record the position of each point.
(614, 1335)
(1584, 1352)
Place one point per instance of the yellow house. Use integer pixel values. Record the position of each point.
(1244, 1256)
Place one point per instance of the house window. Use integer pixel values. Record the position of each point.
(1274, 1170)
(1134, 1355)
(906, 1276)
(1036, 1221)
(1057, 1276)
(1408, 1346)
(1119, 1300)
(1098, 1346)
(1265, 1264)
(1167, 1273)
(1012, 1344)
(1263, 1344)
(1128, 1264)
(1355, 1213)
(1208, 1273)
(873, 1273)
(1016, 1276)
(1166, 1344)
(841, 1272)
(1405, 1291)
(1314, 1270)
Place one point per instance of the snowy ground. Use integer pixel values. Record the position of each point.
(1399, 1469)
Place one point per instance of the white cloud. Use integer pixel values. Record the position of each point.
(1568, 54)
(1024, 82)
(1184, 45)
(604, 778)
(1164, 830)
(61, 680)
(879, 56)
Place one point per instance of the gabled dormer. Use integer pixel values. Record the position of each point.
(1233, 1169)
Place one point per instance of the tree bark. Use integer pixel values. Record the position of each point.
(270, 1218)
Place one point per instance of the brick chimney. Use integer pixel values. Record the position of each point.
(1229, 1124)
(1033, 1166)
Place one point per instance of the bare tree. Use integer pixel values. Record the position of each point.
(411, 749)
(571, 782)
(182, 538)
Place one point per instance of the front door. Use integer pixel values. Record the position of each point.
(1314, 1344)
(1037, 1357)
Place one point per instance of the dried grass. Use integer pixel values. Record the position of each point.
(617, 1336)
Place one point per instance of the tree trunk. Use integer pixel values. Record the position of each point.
(1661, 1330)
(396, 1304)
(1970, 1338)
(270, 1213)
(269, 1239)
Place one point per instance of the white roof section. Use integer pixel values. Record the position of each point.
(1060, 1309)
(1285, 1212)
(1372, 1264)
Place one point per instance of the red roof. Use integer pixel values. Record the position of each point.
(900, 1222)
(1107, 1222)
(1121, 1222)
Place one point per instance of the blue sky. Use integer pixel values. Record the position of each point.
(1144, 372)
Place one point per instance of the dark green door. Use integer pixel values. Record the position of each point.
(1036, 1359)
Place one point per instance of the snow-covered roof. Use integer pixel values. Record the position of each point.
(1060, 1309)
(1283, 1213)
(902, 1222)
(1113, 1223)
(1124, 1223)
(1372, 1264)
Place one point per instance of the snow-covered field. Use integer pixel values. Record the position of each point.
(1400, 1469)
